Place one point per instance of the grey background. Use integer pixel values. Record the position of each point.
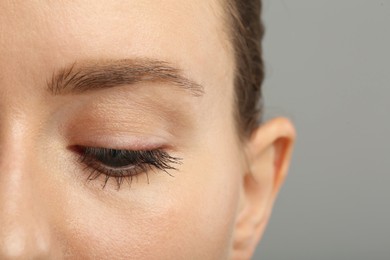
(328, 69)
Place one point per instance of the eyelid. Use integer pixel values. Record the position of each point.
(139, 161)
(118, 140)
(119, 116)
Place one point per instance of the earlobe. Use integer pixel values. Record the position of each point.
(268, 153)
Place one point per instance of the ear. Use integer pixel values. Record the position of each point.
(268, 152)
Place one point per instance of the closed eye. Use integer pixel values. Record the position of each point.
(123, 164)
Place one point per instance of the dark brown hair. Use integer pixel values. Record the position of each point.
(246, 35)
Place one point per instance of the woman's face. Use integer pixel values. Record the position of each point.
(125, 75)
(117, 133)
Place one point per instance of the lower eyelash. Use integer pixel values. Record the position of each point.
(119, 177)
(139, 162)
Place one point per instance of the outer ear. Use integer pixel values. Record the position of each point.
(268, 152)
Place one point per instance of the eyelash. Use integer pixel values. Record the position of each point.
(123, 164)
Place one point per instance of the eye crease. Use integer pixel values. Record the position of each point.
(123, 164)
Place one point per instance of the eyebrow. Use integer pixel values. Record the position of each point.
(95, 75)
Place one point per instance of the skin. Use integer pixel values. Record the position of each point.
(219, 199)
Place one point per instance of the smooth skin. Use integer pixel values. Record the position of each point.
(219, 199)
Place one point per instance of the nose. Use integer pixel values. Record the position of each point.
(24, 229)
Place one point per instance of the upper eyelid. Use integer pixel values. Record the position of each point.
(119, 121)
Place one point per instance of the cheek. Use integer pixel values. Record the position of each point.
(208, 208)
(190, 217)
(102, 233)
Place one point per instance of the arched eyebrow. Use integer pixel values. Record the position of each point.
(102, 74)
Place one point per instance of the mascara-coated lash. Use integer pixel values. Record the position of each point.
(123, 164)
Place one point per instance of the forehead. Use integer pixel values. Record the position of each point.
(53, 33)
